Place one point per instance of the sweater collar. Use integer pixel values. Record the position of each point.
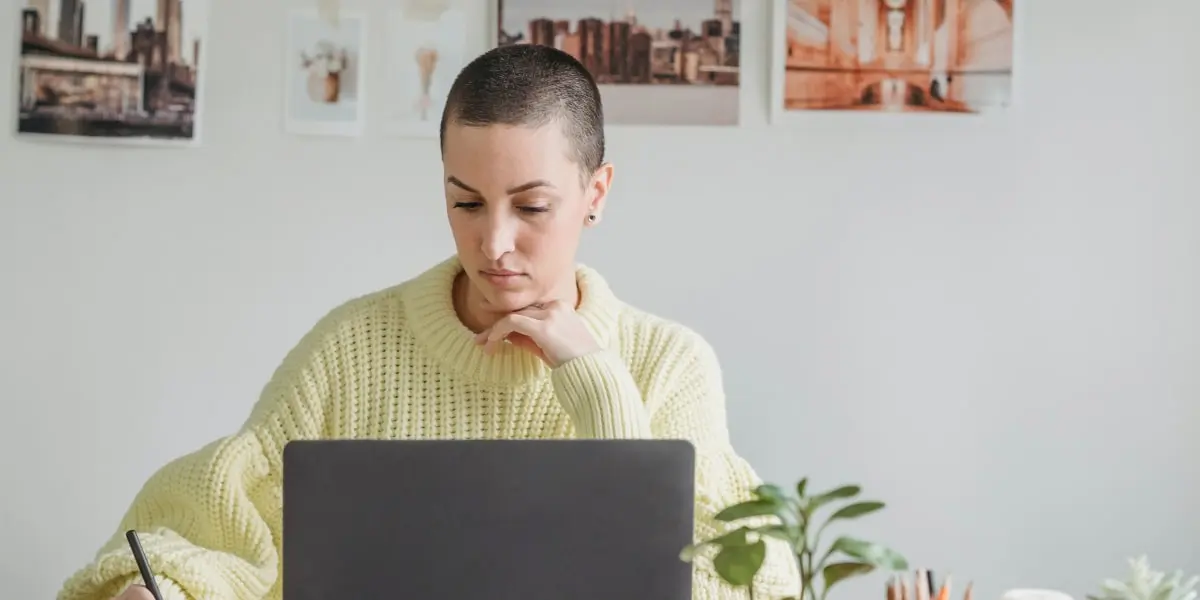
(430, 315)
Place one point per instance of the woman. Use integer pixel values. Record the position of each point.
(507, 339)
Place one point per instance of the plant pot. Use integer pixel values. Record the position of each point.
(333, 85)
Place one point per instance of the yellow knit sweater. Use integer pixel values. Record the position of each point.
(398, 364)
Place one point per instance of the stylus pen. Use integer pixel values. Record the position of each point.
(142, 563)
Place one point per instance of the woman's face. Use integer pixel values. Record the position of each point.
(517, 206)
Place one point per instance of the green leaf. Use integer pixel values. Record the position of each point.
(790, 510)
(738, 565)
(752, 508)
(846, 491)
(800, 487)
(856, 510)
(787, 533)
(737, 537)
(771, 492)
(836, 572)
(872, 554)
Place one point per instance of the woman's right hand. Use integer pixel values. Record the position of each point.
(135, 592)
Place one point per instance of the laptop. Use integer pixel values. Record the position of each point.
(501, 520)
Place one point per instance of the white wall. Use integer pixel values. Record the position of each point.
(992, 325)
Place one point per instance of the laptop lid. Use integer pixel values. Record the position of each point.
(502, 520)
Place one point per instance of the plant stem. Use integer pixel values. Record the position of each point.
(805, 563)
(811, 581)
(824, 558)
(803, 573)
(800, 568)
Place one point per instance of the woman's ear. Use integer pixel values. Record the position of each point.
(598, 187)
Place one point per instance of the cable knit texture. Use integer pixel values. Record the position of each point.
(398, 364)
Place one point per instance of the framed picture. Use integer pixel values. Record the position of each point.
(325, 62)
(657, 62)
(115, 72)
(892, 57)
(425, 51)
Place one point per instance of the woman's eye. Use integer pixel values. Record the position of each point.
(468, 205)
(534, 209)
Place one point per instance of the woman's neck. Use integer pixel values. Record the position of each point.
(477, 314)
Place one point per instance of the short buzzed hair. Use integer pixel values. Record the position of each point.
(530, 85)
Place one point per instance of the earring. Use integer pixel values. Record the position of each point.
(592, 218)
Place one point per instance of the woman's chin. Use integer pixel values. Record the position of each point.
(508, 301)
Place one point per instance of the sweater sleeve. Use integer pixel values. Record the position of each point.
(601, 396)
(210, 521)
(692, 407)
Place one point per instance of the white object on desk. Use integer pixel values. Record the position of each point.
(1035, 594)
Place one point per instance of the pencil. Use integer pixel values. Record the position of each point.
(904, 588)
(143, 565)
(944, 593)
(967, 594)
(922, 585)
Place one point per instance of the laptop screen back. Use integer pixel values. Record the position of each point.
(496, 520)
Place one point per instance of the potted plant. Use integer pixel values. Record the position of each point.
(1147, 584)
(324, 70)
(793, 517)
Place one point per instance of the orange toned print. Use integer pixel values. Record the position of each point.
(898, 55)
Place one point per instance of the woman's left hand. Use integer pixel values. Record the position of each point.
(552, 331)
